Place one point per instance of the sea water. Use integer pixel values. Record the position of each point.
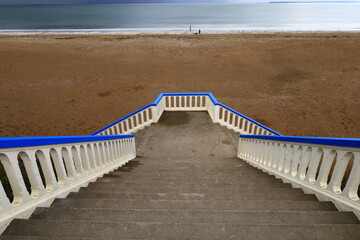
(179, 17)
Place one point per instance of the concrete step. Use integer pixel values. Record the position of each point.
(185, 216)
(184, 187)
(192, 165)
(113, 230)
(200, 161)
(183, 181)
(210, 192)
(188, 169)
(185, 174)
(255, 205)
(197, 196)
(150, 188)
(190, 178)
(10, 237)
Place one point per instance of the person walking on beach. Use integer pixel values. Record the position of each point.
(199, 31)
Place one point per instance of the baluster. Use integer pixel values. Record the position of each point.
(109, 148)
(314, 163)
(263, 154)
(325, 167)
(76, 157)
(85, 159)
(113, 150)
(133, 146)
(288, 158)
(97, 157)
(59, 167)
(69, 163)
(268, 153)
(117, 129)
(116, 143)
(91, 157)
(339, 171)
(282, 156)
(132, 123)
(258, 151)
(304, 162)
(121, 148)
(47, 168)
(11, 166)
(352, 185)
(29, 160)
(4, 200)
(275, 154)
(107, 152)
(296, 160)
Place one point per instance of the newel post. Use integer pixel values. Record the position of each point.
(215, 116)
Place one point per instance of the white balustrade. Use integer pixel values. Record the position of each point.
(186, 102)
(54, 171)
(330, 172)
(238, 123)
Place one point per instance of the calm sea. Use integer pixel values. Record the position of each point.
(178, 17)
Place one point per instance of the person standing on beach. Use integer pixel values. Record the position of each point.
(199, 31)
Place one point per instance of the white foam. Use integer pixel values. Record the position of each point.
(168, 31)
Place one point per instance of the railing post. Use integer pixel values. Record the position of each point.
(154, 113)
(216, 114)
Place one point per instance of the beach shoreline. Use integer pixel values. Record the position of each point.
(100, 32)
(295, 83)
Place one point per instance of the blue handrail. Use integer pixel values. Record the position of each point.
(12, 142)
(212, 98)
(342, 142)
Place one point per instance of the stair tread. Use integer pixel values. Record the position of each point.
(195, 204)
(59, 228)
(192, 196)
(195, 216)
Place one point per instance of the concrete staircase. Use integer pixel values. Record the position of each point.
(192, 188)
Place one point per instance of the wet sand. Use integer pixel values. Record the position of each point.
(297, 84)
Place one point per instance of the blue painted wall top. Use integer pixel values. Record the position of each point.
(13, 142)
(341, 142)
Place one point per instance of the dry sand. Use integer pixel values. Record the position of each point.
(296, 84)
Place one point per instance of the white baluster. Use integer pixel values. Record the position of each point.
(48, 170)
(16, 180)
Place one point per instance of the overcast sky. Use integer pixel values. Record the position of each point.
(15, 2)
(117, 1)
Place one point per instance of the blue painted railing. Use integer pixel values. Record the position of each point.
(13, 142)
(341, 142)
(212, 98)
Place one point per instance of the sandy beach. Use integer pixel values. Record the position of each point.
(305, 84)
